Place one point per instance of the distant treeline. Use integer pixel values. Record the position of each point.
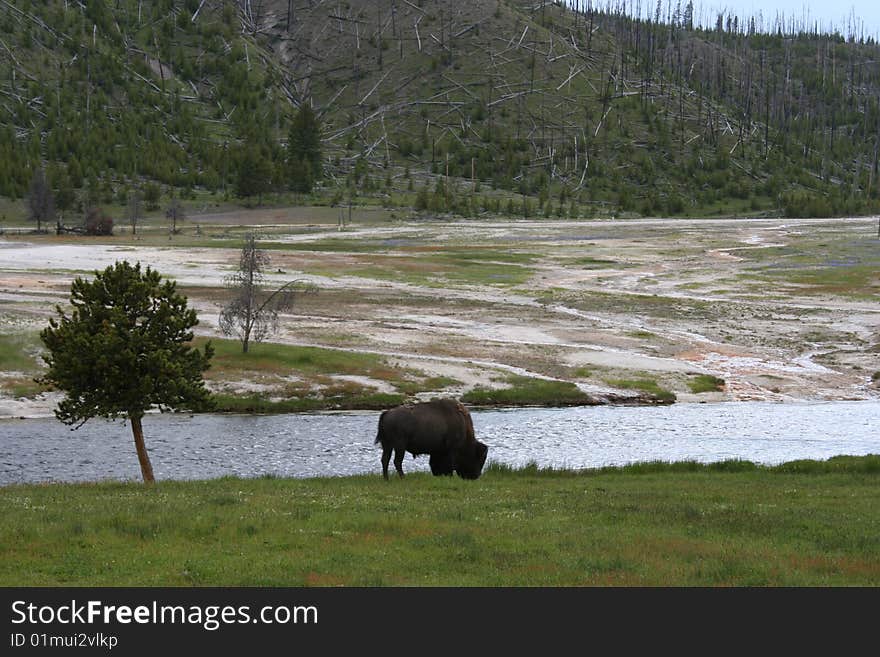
(553, 109)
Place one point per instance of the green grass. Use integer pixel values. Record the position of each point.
(527, 391)
(597, 263)
(464, 271)
(734, 523)
(859, 281)
(18, 352)
(649, 386)
(255, 403)
(431, 266)
(646, 305)
(300, 379)
(843, 264)
(706, 383)
(330, 245)
(21, 386)
(316, 389)
(486, 253)
(427, 384)
(269, 357)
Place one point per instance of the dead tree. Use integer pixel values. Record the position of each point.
(176, 213)
(41, 202)
(134, 210)
(252, 314)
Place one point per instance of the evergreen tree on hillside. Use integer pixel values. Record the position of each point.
(62, 189)
(687, 20)
(304, 149)
(301, 178)
(254, 173)
(796, 110)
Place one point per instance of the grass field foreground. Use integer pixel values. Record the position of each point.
(805, 523)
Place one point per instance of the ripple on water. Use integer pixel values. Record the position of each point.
(204, 446)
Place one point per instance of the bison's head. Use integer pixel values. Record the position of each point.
(471, 459)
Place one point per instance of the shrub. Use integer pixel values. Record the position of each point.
(805, 205)
(674, 204)
(525, 390)
(98, 222)
(151, 196)
(648, 386)
(706, 383)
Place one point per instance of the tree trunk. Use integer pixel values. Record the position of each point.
(143, 457)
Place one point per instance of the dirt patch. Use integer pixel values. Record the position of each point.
(20, 407)
(365, 382)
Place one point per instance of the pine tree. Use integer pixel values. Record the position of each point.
(254, 173)
(304, 148)
(123, 350)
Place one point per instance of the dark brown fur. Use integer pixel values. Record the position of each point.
(442, 428)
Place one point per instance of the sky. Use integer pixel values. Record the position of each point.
(864, 15)
(861, 13)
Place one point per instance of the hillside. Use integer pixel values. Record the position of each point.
(491, 106)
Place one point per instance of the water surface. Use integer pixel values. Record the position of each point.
(325, 444)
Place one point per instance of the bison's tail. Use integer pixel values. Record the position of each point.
(379, 433)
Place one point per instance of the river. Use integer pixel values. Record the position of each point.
(325, 444)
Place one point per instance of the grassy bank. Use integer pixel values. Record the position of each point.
(734, 523)
(527, 391)
(289, 379)
(279, 378)
(19, 364)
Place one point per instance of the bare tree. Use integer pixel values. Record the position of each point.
(41, 202)
(176, 213)
(252, 314)
(134, 211)
(252, 14)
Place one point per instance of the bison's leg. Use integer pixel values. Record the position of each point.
(398, 460)
(386, 457)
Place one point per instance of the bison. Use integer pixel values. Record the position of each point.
(441, 428)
